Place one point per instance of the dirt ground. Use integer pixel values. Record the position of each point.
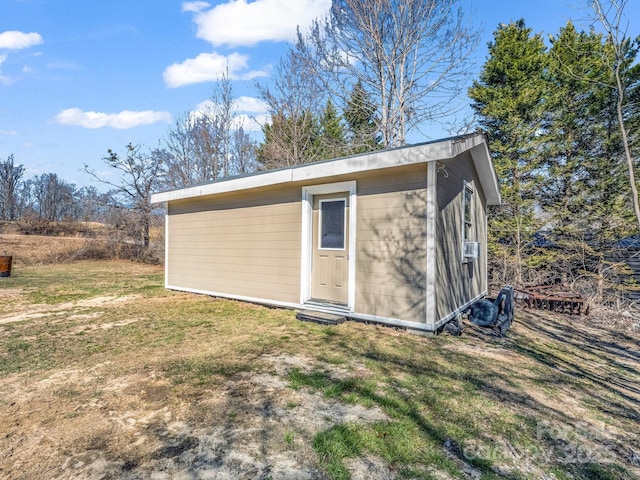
(94, 423)
(46, 436)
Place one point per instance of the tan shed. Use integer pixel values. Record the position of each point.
(395, 236)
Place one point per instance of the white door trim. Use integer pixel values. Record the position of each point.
(307, 239)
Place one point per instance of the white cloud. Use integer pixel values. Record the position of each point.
(14, 40)
(251, 112)
(241, 23)
(250, 123)
(241, 104)
(208, 67)
(250, 104)
(8, 132)
(196, 7)
(123, 120)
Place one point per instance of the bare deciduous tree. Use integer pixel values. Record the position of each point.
(54, 198)
(610, 14)
(243, 153)
(183, 168)
(140, 174)
(10, 175)
(410, 57)
(294, 101)
(210, 143)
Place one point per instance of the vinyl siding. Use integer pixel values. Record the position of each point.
(249, 244)
(457, 281)
(391, 244)
(239, 244)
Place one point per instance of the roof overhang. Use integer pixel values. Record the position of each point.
(486, 173)
(422, 153)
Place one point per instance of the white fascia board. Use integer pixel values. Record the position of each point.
(459, 311)
(486, 173)
(166, 250)
(374, 161)
(462, 144)
(416, 327)
(416, 154)
(240, 298)
(225, 186)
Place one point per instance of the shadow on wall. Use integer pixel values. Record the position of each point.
(396, 255)
(458, 280)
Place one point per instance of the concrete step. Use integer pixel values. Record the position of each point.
(323, 306)
(320, 317)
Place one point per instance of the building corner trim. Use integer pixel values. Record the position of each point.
(430, 227)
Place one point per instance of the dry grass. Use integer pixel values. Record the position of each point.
(45, 250)
(38, 250)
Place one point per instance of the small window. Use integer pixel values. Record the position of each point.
(468, 212)
(332, 227)
(470, 246)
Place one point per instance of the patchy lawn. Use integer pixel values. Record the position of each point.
(104, 374)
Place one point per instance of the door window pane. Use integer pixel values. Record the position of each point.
(332, 224)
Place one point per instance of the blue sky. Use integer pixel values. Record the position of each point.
(78, 77)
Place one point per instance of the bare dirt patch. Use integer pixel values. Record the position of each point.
(29, 312)
(84, 423)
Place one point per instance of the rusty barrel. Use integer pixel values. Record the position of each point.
(5, 265)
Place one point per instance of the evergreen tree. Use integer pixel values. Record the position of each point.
(611, 205)
(508, 100)
(585, 191)
(289, 141)
(624, 50)
(578, 174)
(331, 143)
(359, 114)
(573, 102)
(294, 102)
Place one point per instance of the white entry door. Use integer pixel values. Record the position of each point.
(330, 248)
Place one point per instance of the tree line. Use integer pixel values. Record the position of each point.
(44, 196)
(554, 118)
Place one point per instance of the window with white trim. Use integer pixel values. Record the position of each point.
(468, 212)
(470, 246)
